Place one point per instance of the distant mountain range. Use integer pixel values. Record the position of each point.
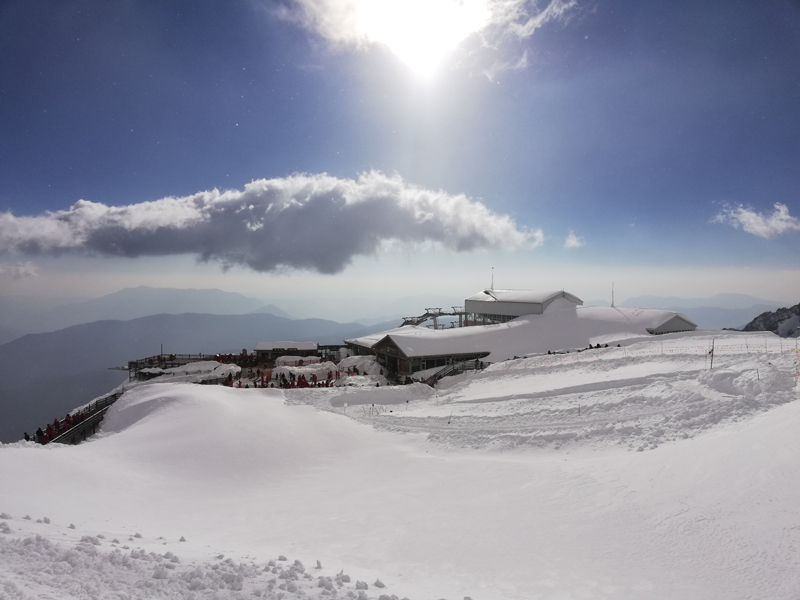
(45, 375)
(716, 312)
(727, 301)
(18, 317)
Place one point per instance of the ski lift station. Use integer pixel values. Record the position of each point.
(497, 325)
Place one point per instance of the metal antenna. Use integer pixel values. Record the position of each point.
(612, 294)
(492, 286)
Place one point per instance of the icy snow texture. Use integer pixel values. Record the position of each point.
(84, 571)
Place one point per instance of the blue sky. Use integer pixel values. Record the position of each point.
(664, 136)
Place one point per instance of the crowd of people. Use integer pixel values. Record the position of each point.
(243, 359)
(590, 347)
(56, 428)
(266, 378)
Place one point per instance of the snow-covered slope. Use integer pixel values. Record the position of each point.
(447, 493)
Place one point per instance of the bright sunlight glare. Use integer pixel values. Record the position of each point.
(421, 32)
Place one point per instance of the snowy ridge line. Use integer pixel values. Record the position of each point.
(616, 353)
(205, 372)
(646, 350)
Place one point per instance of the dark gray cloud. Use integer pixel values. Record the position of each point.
(311, 222)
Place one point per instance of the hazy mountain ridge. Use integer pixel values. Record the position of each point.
(18, 319)
(709, 317)
(271, 309)
(46, 374)
(784, 322)
(726, 301)
(717, 312)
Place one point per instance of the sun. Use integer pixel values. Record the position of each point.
(420, 32)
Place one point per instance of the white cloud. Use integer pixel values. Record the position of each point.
(573, 241)
(498, 67)
(312, 222)
(766, 226)
(18, 271)
(421, 32)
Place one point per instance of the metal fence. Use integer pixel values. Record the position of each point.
(93, 414)
(454, 369)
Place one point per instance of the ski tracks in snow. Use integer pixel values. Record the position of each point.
(637, 397)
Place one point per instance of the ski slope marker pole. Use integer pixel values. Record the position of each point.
(712, 353)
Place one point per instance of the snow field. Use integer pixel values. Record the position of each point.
(255, 474)
(232, 452)
(639, 396)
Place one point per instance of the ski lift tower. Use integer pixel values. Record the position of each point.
(435, 313)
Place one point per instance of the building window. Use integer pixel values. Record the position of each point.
(487, 319)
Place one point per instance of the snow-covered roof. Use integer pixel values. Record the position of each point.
(523, 296)
(269, 346)
(529, 334)
(678, 322)
(368, 341)
(516, 303)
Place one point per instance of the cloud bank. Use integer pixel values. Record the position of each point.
(18, 271)
(310, 222)
(766, 226)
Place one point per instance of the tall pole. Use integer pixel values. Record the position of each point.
(712, 353)
(612, 294)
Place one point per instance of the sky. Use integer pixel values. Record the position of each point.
(310, 151)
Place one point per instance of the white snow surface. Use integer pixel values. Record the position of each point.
(491, 486)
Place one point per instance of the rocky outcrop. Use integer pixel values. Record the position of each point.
(785, 322)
